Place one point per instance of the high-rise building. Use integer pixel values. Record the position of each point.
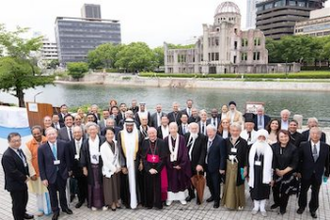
(75, 37)
(49, 50)
(91, 11)
(251, 14)
(277, 18)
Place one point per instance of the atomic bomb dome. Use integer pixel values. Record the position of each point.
(227, 7)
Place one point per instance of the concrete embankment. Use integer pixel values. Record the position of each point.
(133, 80)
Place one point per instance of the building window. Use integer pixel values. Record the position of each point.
(235, 59)
(235, 45)
(256, 56)
(244, 56)
(257, 42)
(235, 30)
(216, 42)
(245, 42)
(217, 56)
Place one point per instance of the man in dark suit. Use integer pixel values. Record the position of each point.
(295, 136)
(55, 167)
(196, 144)
(175, 115)
(215, 163)
(215, 118)
(65, 133)
(142, 113)
(156, 118)
(261, 120)
(314, 163)
(188, 109)
(312, 122)
(110, 123)
(203, 122)
(183, 128)
(194, 116)
(62, 114)
(56, 122)
(103, 121)
(77, 174)
(16, 176)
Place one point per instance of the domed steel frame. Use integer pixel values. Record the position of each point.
(227, 7)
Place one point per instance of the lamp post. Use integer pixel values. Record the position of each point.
(35, 96)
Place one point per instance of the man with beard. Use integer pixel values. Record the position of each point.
(128, 143)
(196, 144)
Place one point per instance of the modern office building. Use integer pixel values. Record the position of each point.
(91, 11)
(49, 50)
(317, 25)
(277, 18)
(251, 14)
(75, 37)
(223, 47)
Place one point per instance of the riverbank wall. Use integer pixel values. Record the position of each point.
(134, 80)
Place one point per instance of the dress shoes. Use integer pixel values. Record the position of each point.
(67, 211)
(55, 216)
(79, 204)
(313, 214)
(216, 205)
(189, 198)
(28, 216)
(274, 206)
(210, 199)
(300, 211)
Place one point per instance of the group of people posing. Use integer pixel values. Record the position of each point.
(130, 157)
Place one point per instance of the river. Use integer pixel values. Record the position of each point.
(307, 104)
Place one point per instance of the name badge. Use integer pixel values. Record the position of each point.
(232, 157)
(57, 162)
(76, 156)
(25, 164)
(257, 163)
(234, 150)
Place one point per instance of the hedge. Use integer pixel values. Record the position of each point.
(300, 75)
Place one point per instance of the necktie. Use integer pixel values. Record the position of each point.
(259, 121)
(54, 149)
(203, 129)
(189, 112)
(21, 155)
(70, 132)
(208, 149)
(214, 122)
(249, 138)
(315, 155)
(184, 129)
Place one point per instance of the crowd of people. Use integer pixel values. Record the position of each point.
(128, 157)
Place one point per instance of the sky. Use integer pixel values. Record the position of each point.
(150, 21)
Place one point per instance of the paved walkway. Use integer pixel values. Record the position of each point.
(175, 211)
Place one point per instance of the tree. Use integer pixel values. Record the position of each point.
(77, 70)
(159, 56)
(135, 57)
(18, 69)
(103, 56)
(53, 64)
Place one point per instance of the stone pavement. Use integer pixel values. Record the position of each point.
(175, 211)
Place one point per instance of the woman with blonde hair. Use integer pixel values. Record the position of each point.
(224, 128)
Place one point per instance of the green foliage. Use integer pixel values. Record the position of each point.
(18, 69)
(301, 75)
(298, 49)
(77, 70)
(104, 56)
(159, 56)
(136, 56)
(179, 46)
(53, 64)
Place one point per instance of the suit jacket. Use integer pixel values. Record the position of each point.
(184, 111)
(154, 119)
(61, 120)
(305, 136)
(63, 134)
(266, 121)
(198, 152)
(216, 155)
(209, 121)
(201, 127)
(160, 133)
(180, 129)
(15, 171)
(192, 119)
(75, 163)
(172, 118)
(307, 166)
(138, 122)
(48, 171)
(102, 124)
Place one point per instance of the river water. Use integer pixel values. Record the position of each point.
(308, 104)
